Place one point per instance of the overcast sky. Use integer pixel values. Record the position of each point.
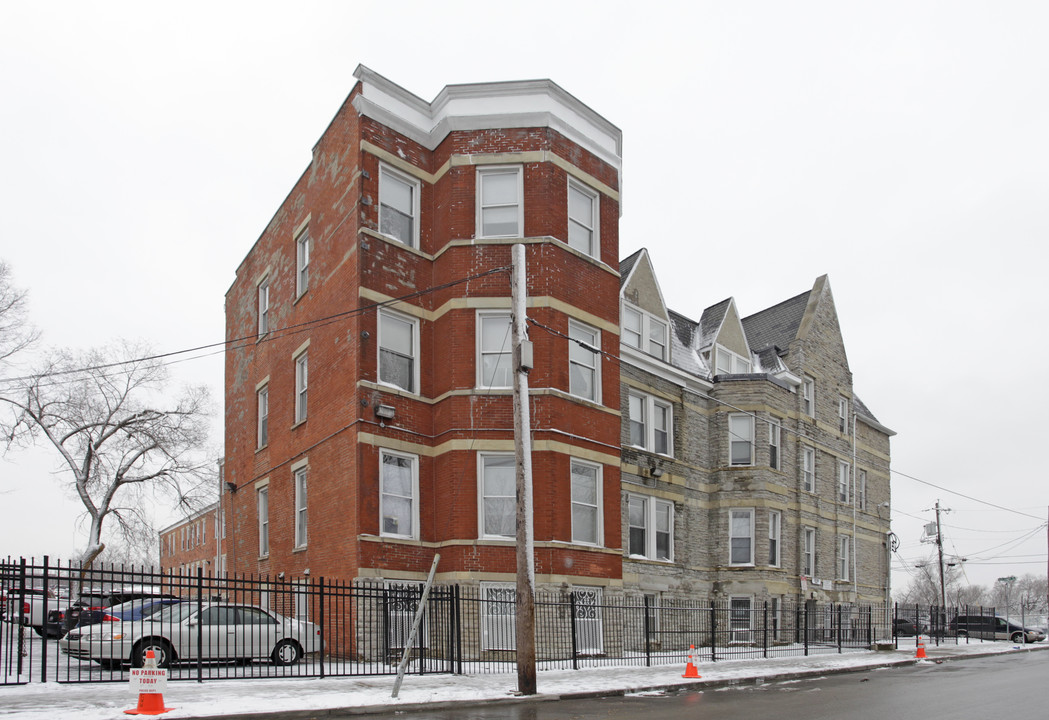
(900, 147)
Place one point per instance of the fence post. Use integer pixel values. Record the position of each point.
(200, 625)
(806, 615)
(20, 627)
(458, 637)
(870, 625)
(43, 624)
(839, 628)
(648, 642)
(765, 630)
(571, 605)
(713, 633)
(320, 619)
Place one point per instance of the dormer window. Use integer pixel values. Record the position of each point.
(643, 331)
(729, 363)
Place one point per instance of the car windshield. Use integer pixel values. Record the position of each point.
(132, 605)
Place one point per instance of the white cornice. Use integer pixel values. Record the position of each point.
(482, 106)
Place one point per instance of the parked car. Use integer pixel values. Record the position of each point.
(26, 607)
(126, 611)
(228, 632)
(906, 628)
(993, 627)
(61, 621)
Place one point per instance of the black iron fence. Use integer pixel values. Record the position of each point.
(70, 625)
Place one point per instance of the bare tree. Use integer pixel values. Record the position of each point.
(16, 333)
(121, 440)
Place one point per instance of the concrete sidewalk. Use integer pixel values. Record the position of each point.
(299, 699)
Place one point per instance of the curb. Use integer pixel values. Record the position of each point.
(591, 694)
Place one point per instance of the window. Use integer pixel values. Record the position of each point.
(302, 262)
(584, 366)
(861, 489)
(643, 331)
(808, 552)
(583, 205)
(741, 537)
(590, 636)
(301, 386)
(399, 487)
(808, 396)
(774, 446)
(586, 503)
(774, 531)
(398, 340)
(263, 421)
(398, 206)
(499, 206)
(650, 423)
(264, 307)
(651, 527)
(498, 621)
(843, 557)
(300, 506)
(741, 439)
(740, 617)
(843, 415)
(496, 368)
(843, 481)
(808, 469)
(264, 521)
(498, 496)
(729, 363)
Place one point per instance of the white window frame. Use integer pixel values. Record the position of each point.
(388, 173)
(489, 170)
(300, 479)
(504, 351)
(737, 421)
(588, 507)
(264, 306)
(843, 414)
(498, 616)
(843, 481)
(649, 406)
(263, 511)
(302, 262)
(414, 498)
(582, 360)
(651, 337)
(262, 417)
(651, 510)
(483, 495)
(808, 396)
(589, 619)
(733, 514)
(741, 632)
(861, 489)
(413, 324)
(727, 362)
(844, 553)
(302, 385)
(400, 613)
(775, 445)
(775, 533)
(590, 225)
(808, 551)
(808, 469)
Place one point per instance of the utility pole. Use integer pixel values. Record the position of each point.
(939, 546)
(522, 363)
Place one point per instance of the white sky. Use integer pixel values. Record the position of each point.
(900, 147)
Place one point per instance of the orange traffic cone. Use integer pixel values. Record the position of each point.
(920, 655)
(690, 668)
(151, 703)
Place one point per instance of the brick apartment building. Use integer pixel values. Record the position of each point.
(368, 402)
(196, 541)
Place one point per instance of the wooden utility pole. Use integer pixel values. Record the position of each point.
(939, 546)
(522, 363)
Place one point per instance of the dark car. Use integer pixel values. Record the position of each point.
(906, 628)
(992, 627)
(59, 622)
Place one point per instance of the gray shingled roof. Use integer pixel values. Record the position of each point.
(710, 323)
(627, 264)
(683, 352)
(778, 325)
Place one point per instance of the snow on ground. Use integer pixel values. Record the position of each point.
(38, 701)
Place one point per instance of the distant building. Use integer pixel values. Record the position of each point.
(195, 542)
(368, 401)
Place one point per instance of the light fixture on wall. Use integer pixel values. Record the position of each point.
(386, 412)
(656, 472)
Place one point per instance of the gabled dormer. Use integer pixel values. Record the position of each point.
(724, 343)
(643, 317)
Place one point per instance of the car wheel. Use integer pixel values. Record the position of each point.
(287, 652)
(1017, 637)
(162, 652)
(38, 630)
